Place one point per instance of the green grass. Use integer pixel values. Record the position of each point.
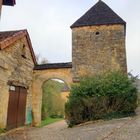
(49, 121)
(2, 130)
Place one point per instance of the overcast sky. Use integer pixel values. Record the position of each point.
(48, 23)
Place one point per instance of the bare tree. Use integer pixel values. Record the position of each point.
(43, 61)
(40, 59)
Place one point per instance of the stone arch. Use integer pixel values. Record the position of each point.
(57, 77)
(51, 78)
(40, 76)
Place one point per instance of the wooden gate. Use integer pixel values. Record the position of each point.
(16, 107)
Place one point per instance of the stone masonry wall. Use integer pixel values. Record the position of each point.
(13, 67)
(98, 49)
(39, 77)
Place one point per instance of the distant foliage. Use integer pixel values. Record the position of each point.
(52, 102)
(102, 96)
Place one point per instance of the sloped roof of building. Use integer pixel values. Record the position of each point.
(7, 34)
(99, 14)
(9, 2)
(53, 66)
(9, 37)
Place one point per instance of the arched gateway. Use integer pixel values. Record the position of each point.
(41, 74)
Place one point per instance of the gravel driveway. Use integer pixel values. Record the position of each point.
(117, 129)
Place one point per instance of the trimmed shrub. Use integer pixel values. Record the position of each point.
(102, 96)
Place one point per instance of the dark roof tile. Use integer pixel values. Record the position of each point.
(6, 34)
(53, 66)
(9, 2)
(99, 14)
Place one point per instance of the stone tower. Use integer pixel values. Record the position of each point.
(98, 42)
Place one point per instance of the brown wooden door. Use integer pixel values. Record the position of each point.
(21, 107)
(16, 107)
(12, 108)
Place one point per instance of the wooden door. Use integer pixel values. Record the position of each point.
(16, 107)
(12, 108)
(21, 107)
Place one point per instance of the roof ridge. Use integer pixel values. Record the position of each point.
(53, 66)
(13, 30)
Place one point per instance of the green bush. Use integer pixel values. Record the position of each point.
(101, 96)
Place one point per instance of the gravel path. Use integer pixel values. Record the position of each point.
(117, 129)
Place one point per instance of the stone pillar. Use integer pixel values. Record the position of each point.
(37, 102)
(4, 105)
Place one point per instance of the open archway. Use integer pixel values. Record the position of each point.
(54, 97)
(60, 71)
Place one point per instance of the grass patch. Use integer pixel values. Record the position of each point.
(49, 121)
(2, 131)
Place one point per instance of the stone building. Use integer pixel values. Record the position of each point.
(98, 46)
(98, 42)
(17, 60)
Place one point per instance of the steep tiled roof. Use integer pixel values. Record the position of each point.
(9, 2)
(99, 14)
(9, 37)
(53, 66)
(7, 34)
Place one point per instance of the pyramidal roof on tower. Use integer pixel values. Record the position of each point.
(99, 14)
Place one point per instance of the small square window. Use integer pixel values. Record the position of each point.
(97, 33)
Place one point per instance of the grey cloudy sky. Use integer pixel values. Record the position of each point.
(48, 23)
